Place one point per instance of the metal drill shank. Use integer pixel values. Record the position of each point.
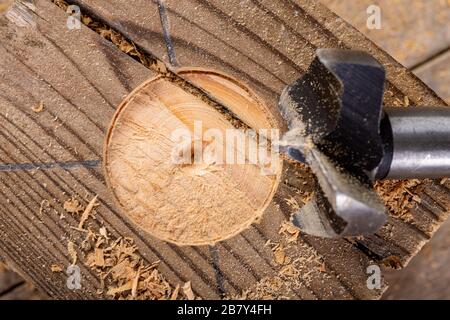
(420, 145)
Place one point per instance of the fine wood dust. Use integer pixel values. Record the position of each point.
(297, 264)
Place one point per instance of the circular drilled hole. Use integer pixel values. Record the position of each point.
(191, 203)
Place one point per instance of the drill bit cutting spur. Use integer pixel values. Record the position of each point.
(338, 126)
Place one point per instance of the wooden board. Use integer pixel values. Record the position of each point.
(13, 287)
(45, 62)
(427, 276)
(412, 31)
(415, 33)
(9, 280)
(436, 73)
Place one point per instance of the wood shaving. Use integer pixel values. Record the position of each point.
(87, 212)
(280, 255)
(299, 265)
(39, 107)
(126, 287)
(293, 203)
(44, 204)
(160, 67)
(406, 101)
(399, 196)
(56, 268)
(123, 274)
(187, 290)
(290, 231)
(416, 198)
(72, 252)
(175, 293)
(97, 259)
(323, 267)
(73, 206)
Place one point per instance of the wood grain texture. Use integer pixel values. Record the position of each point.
(13, 287)
(416, 33)
(405, 28)
(267, 45)
(52, 61)
(436, 74)
(8, 280)
(427, 276)
(264, 44)
(22, 292)
(411, 30)
(180, 170)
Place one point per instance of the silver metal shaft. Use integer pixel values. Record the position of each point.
(420, 142)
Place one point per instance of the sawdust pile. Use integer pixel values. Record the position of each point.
(400, 196)
(123, 274)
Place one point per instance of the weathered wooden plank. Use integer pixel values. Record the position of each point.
(414, 32)
(267, 51)
(436, 74)
(52, 61)
(14, 287)
(8, 280)
(411, 30)
(103, 76)
(54, 136)
(24, 291)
